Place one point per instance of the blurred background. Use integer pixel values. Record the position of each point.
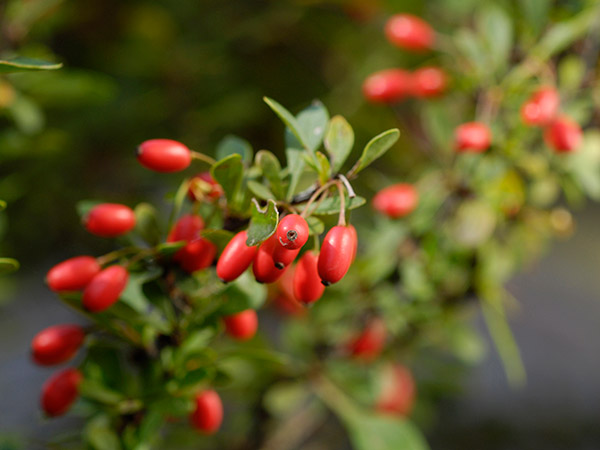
(196, 71)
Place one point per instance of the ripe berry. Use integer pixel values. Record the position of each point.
(72, 274)
(203, 186)
(56, 344)
(264, 266)
(208, 415)
(164, 155)
(292, 231)
(110, 220)
(60, 391)
(368, 344)
(355, 239)
(283, 257)
(398, 391)
(409, 32)
(284, 299)
(187, 228)
(387, 86)
(429, 82)
(196, 255)
(397, 200)
(236, 257)
(337, 251)
(541, 107)
(105, 288)
(563, 135)
(243, 325)
(307, 282)
(472, 137)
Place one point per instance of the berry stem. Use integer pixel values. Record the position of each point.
(315, 196)
(116, 254)
(342, 216)
(202, 157)
(347, 185)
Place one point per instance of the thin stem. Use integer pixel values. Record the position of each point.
(116, 254)
(347, 185)
(315, 196)
(342, 216)
(202, 157)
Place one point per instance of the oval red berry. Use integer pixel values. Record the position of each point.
(292, 231)
(105, 288)
(208, 414)
(564, 135)
(370, 342)
(409, 32)
(164, 155)
(474, 137)
(243, 325)
(56, 344)
(429, 82)
(397, 200)
(387, 86)
(264, 267)
(398, 391)
(307, 282)
(72, 274)
(60, 391)
(541, 108)
(236, 257)
(337, 251)
(110, 220)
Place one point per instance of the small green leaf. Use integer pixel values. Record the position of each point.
(228, 172)
(231, 145)
(263, 222)
(271, 170)
(100, 435)
(312, 122)
(260, 190)
(380, 432)
(169, 248)
(218, 237)
(287, 118)
(133, 294)
(496, 27)
(23, 64)
(339, 141)
(331, 205)
(146, 223)
(92, 389)
(243, 293)
(2, 205)
(8, 265)
(324, 169)
(375, 148)
(295, 164)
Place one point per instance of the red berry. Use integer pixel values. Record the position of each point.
(110, 220)
(203, 186)
(243, 325)
(398, 391)
(187, 228)
(369, 344)
(264, 266)
(164, 155)
(397, 200)
(236, 257)
(472, 137)
(355, 238)
(409, 32)
(563, 135)
(429, 82)
(284, 299)
(541, 107)
(60, 391)
(105, 288)
(56, 344)
(337, 252)
(283, 257)
(208, 415)
(292, 231)
(196, 255)
(387, 86)
(307, 282)
(72, 274)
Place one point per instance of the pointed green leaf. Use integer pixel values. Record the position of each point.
(339, 141)
(263, 222)
(324, 169)
(375, 148)
(295, 164)
(260, 190)
(22, 64)
(313, 125)
(271, 170)
(228, 172)
(146, 223)
(287, 118)
(243, 293)
(218, 237)
(497, 29)
(331, 205)
(231, 145)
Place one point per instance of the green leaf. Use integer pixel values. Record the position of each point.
(133, 294)
(571, 72)
(244, 293)
(83, 207)
(146, 223)
(94, 390)
(263, 222)
(339, 141)
(496, 27)
(315, 226)
(2, 205)
(375, 148)
(271, 170)
(195, 343)
(260, 190)
(228, 172)
(23, 64)
(218, 237)
(232, 145)
(312, 122)
(169, 248)
(100, 435)
(324, 169)
(287, 118)
(295, 164)
(8, 265)
(331, 205)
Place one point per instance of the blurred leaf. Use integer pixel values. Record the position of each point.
(218, 237)
(324, 169)
(375, 148)
(473, 223)
(260, 190)
(94, 390)
(232, 145)
(262, 223)
(22, 64)
(2, 205)
(288, 119)
(332, 205)
(243, 293)
(8, 265)
(169, 248)
(271, 170)
(133, 294)
(339, 141)
(571, 72)
(195, 343)
(228, 172)
(146, 223)
(472, 49)
(496, 27)
(536, 13)
(27, 115)
(284, 397)
(585, 164)
(99, 434)
(84, 207)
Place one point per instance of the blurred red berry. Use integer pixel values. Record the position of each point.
(429, 82)
(208, 415)
(397, 200)
(387, 86)
(56, 344)
(105, 288)
(564, 135)
(60, 391)
(409, 32)
(196, 255)
(541, 108)
(336, 254)
(243, 325)
(370, 342)
(473, 137)
(187, 228)
(236, 257)
(72, 274)
(164, 155)
(307, 282)
(398, 391)
(110, 220)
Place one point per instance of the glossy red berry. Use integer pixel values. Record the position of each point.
(337, 252)
(243, 325)
(72, 274)
(292, 231)
(398, 391)
(387, 86)
(236, 257)
(56, 344)
(110, 220)
(564, 135)
(409, 32)
(429, 82)
(397, 200)
(60, 391)
(541, 108)
(264, 266)
(370, 342)
(105, 288)
(196, 255)
(204, 187)
(164, 155)
(208, 415)
(473, 137)
(307, 282)
(187, 228)
(355, 239)
(283, 257)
